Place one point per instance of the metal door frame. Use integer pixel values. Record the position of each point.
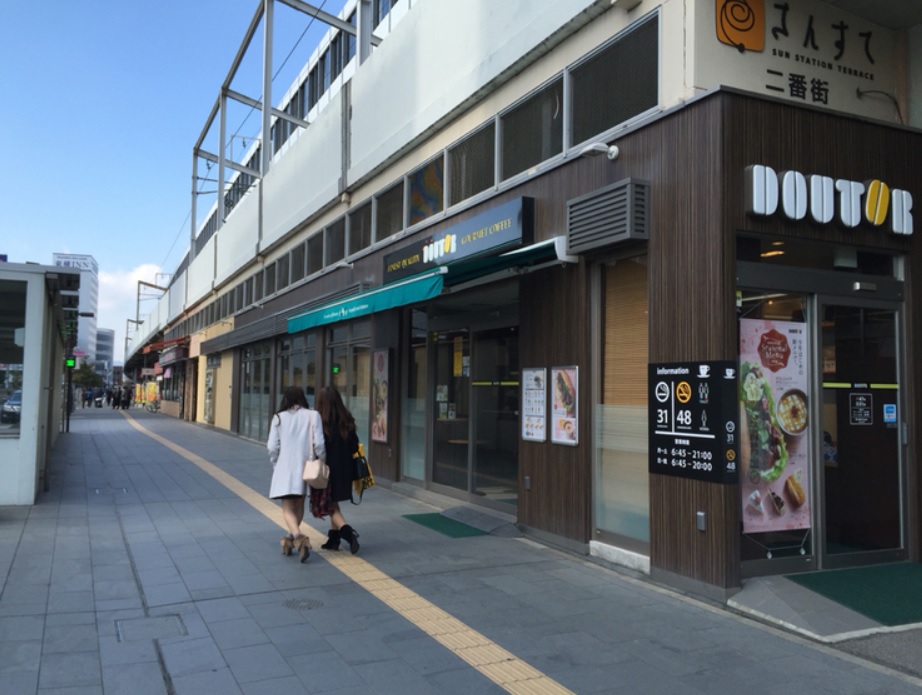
(821, 287)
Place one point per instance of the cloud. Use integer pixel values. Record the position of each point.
(121, 298)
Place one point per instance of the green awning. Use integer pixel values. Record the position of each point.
(526, 257)
(409, 291)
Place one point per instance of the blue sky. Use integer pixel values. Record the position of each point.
(101, 102)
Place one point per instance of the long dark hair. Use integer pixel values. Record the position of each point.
(335, 415)
(293, 395)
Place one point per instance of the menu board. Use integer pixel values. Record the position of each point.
(693, 420)
(774, 426)
(534, 405)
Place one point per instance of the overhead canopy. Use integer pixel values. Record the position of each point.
(409, 291)
(428, 285)
(522, 258)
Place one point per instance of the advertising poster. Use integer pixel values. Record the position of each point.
(534, 405)
(774, 426)
(564, 420)
(379, 391)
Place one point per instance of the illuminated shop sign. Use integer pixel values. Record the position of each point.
(851, 203)
(508, 225)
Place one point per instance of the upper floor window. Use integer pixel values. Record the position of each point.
(616, 83)
(360, 228)
(471, 164)
(427, 190)
(389, 212)
(532, 132)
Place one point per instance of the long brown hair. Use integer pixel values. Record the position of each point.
(333, 412)
(293, 395)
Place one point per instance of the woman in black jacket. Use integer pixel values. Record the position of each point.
(341, 442)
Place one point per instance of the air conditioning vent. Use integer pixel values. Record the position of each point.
(609, 216)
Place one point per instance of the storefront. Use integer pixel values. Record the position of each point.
(816, 269)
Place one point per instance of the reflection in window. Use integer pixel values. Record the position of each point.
(471, 162)
(426, 190)
(12, 334)
(532, 132)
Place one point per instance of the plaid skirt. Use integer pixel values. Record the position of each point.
(321, 502)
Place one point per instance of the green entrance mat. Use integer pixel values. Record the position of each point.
(442, 524)
(890, 594)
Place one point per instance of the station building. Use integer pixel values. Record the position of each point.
(501, 228)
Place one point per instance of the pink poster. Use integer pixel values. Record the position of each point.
(774, 426)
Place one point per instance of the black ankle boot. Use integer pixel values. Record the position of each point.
(348, 534)
(332, 540)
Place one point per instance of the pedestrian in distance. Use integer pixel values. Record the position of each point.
(295, 434)
(342, 443)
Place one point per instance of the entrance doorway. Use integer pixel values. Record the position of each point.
(821, 446)
(475, 394)
(861, 480)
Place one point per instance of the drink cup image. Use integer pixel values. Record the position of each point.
(704, 370)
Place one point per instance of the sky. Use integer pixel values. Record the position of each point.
(101, 103)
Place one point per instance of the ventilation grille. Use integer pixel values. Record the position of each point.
(611, 215)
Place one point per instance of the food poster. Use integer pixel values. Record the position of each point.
(564, 420)
(774, 427)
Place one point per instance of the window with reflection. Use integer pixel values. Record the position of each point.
(12, 338)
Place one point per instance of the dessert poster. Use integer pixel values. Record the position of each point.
(774, 426)
(564, 426)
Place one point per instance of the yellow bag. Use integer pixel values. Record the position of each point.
(362, 478)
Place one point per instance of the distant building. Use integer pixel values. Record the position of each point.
(89, 301)
(105, 351)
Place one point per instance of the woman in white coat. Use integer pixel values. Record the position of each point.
(294, 430)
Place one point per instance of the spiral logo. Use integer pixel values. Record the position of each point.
(741, 24)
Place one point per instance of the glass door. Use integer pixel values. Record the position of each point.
(450, 444)
(495, 396)
(861, 497)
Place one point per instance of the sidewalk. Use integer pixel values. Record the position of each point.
(152, 565)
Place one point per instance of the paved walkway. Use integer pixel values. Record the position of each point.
(152, 565)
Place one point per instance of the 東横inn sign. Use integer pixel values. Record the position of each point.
(503, 227)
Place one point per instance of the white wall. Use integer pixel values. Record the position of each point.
(438, 55)
(237, 239)
(201, 273)
(305, 179)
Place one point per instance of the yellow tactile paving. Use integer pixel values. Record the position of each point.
(503, 668)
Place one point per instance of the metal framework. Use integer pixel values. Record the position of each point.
(265, 13)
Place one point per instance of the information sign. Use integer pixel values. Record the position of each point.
(694, 420)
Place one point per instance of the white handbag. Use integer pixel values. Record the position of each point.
(315, 473)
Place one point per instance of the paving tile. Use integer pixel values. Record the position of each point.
(20, 628)
(257, 662)
(214, 681)
(70, 670)
(244, 632)
(70, 639)
(191, 656)
(135, 678)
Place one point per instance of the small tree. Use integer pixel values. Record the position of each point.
(85, 376)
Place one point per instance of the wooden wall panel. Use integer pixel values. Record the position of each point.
(554, 311)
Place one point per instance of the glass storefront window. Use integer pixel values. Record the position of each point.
(621, 490)
(12, 334)
(413, 435)
(350, 371)
(255, 408)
